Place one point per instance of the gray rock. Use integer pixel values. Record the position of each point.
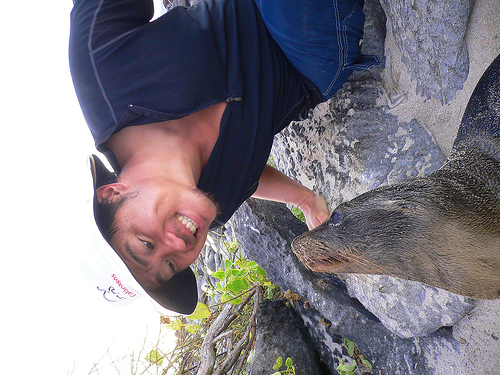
(430, 36)
(394, 300)
(281, 333)
(351, 145)
(169, 4)
(374, 30)
(265, 230)
(479, 336)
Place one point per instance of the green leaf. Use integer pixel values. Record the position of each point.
(268, 284)
(350, 347)
(192, 328)
(237, 286)
(245, 272)
(366, 363)
(260, 271)
(250, 357)
(221, 275)
(228, 264)
(278, 364)
(345, 369)
(235, 273)
(201, 312)
(154, 357)
(175, 325)
(350, 368)
(289, 362)
(243, 263)
(298, 214)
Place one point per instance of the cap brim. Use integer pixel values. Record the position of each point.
(180, 293)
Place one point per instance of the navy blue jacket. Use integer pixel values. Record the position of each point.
(128, 71)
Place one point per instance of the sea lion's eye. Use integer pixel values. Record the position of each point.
(336, 218)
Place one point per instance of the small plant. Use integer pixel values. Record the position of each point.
(297, 212)
(364, 366)
(201, 312)
(346, 369)
(290, 368)
(218, 338)
(225, 325)
(238, 277)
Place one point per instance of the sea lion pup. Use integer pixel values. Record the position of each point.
(442, 230)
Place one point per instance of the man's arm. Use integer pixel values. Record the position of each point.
(275, 186)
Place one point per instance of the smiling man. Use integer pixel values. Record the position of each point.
(185, 108)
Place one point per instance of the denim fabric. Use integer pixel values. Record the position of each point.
(320, 38)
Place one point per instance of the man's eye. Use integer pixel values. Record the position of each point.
(149, 245)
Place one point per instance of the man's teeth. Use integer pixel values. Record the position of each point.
(188, 223)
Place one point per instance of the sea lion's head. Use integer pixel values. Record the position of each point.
(365, 234)
(425, 229)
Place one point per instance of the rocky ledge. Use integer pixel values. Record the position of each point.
(354, 143)
(359, 140)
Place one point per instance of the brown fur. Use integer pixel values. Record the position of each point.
(442, 230)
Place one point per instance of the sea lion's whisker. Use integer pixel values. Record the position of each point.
(366, 266)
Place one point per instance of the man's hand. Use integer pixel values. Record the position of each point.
(274, 185)
(315, 210)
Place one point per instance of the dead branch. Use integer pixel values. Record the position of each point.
(235, 353)
(220, 324)
(207, 351)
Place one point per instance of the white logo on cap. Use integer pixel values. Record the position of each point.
(113, 295)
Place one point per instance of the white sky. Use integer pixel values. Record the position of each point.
(48, 324)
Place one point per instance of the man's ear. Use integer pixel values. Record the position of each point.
(111, 191)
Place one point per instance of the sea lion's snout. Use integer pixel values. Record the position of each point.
(300, 246)
(316, 248)
(315, 255)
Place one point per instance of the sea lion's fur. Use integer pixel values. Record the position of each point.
(442, 230)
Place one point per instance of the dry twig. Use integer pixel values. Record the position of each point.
(220, 324)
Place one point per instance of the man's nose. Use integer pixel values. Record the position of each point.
(174, 244)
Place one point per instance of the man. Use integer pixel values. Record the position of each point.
(186, 107)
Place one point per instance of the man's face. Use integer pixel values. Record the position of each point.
(162, 230)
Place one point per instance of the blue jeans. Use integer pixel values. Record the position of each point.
(319, 37)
